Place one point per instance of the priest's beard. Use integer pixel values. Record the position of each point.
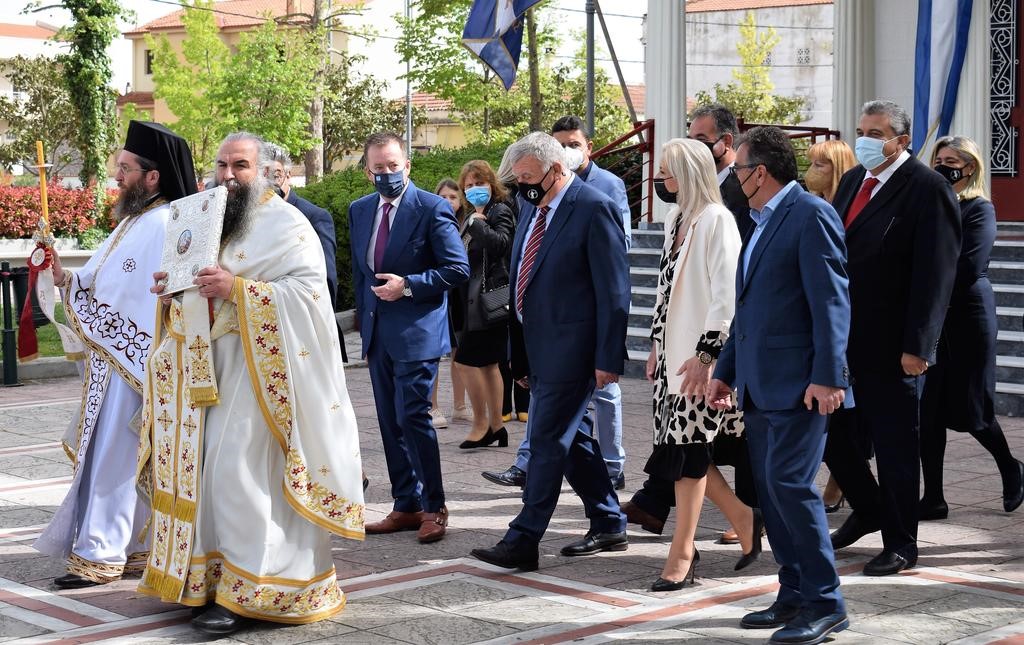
(240, 205)
(131, 201)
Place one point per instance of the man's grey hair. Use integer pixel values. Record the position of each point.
(279, 155)
(264, 158)
(898, 117)
(725, 120)
(541, 146)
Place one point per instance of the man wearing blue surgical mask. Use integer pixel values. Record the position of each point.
(406, 256)
(903, 241)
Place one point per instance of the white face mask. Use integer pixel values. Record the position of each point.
(573, 158)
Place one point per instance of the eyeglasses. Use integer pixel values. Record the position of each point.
(123, 169)
(736, 167)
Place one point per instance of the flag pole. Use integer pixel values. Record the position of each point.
(590, 67)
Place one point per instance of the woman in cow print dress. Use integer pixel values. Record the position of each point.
(692, 314)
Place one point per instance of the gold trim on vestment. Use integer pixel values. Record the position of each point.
(96, 571)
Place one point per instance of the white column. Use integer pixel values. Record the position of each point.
(972, 118)
(665, 76)
(853, 63)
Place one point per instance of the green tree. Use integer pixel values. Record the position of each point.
(42, 111)
(87, 72)
(265, 87)
(751, 95)
(354, 105)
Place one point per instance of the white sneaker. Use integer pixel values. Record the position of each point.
(437, 418)
(461, 414)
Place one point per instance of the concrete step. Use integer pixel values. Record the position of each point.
(1010, 343)
(1010, 399)
(644, 296)
(639, 339)
(649, 239)
(1008, 250)
(641, 257)
(643, 276)
(636, 363)
(1009, 295)
(641, 316)
(1006, 272)
(1010, 369)
(1009, 318)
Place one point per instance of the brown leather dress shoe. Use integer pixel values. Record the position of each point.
(433, 526)
(394, 522)
(636, 515)
(729, 537)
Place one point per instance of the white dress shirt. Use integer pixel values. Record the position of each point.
(886, 174)
(376, 224)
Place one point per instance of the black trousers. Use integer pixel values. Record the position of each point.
(658, 496)
(513, 394)
(886, 414)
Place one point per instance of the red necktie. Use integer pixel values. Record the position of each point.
(861, 200)
(383, 232)
(530, 254)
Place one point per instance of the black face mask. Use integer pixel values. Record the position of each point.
(711, 148)
(664, 194)
(951, 174)
(534, 193)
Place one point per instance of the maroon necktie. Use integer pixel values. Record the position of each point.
(383, 231)
(861, 200)
(530, 254)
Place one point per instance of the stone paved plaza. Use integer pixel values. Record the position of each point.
(967, 588)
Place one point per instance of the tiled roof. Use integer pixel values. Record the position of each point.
(239, 14)
(431, 103)
(36, 32)
(703, 6)
(142, 99)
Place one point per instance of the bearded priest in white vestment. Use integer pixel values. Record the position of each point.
(250, 438)
(98, 527)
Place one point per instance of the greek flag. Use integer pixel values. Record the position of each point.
(942, 28)
(494, 33)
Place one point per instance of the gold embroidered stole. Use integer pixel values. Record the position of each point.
(202, 382)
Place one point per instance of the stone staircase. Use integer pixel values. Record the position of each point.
(1006, 272)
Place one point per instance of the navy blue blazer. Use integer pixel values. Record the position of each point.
(425, 248)
(792, 315)
(577, 296)
(323, 224)
(611, 185)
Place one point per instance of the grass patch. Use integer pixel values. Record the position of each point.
(49, 340)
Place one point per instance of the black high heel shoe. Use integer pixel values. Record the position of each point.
(501, 437)
(662, 584)
(748, 559)
(832, 508)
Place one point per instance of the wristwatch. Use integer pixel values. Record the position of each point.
(705, 358)
(407, 291)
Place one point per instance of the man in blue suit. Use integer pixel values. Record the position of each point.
(406, 255)
(320, 219)
(571, 133)
(786, 356)
(571, 292)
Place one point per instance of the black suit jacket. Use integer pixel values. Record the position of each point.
(736, 202)
(902, 257)
(323, 224)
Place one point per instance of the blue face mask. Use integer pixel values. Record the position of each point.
(869, 152)
(389, 184)
(478, 195)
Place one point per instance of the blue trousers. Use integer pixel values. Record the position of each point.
(562, 446)
(607, 429)
(401, 391)
(786, 447)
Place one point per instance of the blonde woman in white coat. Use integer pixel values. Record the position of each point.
(692, 314)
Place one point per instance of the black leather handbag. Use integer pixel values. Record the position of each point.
(494, 302)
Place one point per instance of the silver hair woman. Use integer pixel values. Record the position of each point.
(692, 313)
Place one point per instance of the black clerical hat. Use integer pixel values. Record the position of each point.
(169, 152)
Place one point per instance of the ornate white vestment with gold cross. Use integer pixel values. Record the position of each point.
(109, 308)
(248, 482)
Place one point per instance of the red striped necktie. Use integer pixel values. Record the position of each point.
(530, 254)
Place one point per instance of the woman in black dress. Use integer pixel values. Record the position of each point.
(959, 390)
(487, 233)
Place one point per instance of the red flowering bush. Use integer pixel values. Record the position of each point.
(70, 210)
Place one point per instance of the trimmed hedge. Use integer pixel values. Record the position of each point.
(70, 210)
(337, 190)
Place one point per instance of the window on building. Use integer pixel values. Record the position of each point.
(149, 62)
(768, 59)
(803, 56)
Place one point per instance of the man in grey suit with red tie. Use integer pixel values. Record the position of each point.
(406, 255)
(571, 292)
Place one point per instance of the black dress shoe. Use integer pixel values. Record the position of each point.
(888, 562)
(219, 620)
(748, 558)
(807, 629)
(595, 542)
(928, 510)
(775, 616)
(73, 581)
(511, 477)
(202, 609)
(832, 508)
(1013, 488)
(852, 530)
(505, 555)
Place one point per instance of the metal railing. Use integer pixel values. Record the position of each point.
(627, 158)
(812, 133)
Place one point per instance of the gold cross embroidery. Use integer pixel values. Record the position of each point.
(199, 345)
(165, 420)
(189, 426)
